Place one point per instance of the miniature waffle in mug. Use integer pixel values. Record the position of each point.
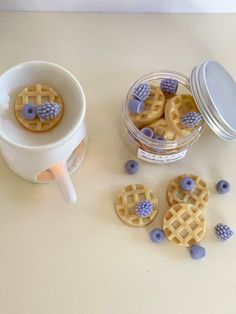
(37, 95)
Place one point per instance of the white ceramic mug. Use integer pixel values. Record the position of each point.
(27, 153)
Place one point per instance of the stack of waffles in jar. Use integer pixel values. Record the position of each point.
(161, 113)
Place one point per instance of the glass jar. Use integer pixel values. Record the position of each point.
(154, 150)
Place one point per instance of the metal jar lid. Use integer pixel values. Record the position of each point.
(214, 91)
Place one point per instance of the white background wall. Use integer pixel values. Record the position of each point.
(121, 5)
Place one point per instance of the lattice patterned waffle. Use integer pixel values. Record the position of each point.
(184, 224)
(160, 127)
(175, 108)
(199, 196)
(153, 108)
(127, 200)
(37, 94)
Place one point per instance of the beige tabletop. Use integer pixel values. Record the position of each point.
(80, 259)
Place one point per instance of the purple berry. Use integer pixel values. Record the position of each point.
(157, 235)
(29, 112)
(197, 251)
(144, 209)
(169, 85)
(187, 184)
(223, 187)
(147, 132)
(48, 111)
(142, 91)
(135, 105)
(131, 166)
(191, 119)
(223, 232)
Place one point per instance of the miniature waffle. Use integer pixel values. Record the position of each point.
(184, 224)
(175, 108)
(153, 108)
(37, 94)
(127, 200)
(160, 127)
(198, 196)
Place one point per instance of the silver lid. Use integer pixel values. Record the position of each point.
(214, 91)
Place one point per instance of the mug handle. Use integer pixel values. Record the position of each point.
(62, 177)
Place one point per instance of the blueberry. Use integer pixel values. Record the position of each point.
(29, 112)
(197, 251)
(223, 187)
(157, 235)
(187, 184)
(147, 132)
(131, 166)
(135, 105)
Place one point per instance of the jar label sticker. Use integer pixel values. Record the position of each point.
(160, 159)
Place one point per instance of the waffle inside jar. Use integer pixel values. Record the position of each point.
(161, 118)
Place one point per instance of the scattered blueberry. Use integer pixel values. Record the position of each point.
(187, 184)
(144, 208)
(142, 91)
(135, 105)
(157, 235)
(223, 232)
(29, 112)
(191, 119)
(197, 251)
(223, 187)
(48, 111)
(169, 85)
(147, 132)
(131, 166)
